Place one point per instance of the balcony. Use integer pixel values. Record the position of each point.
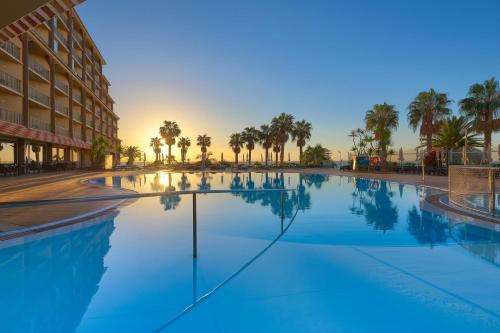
(11, 117)
(78, 39)
(88, 53)
(78, 59)
(64, 20)
(61, 38)
(77, 117)
(38, 69)
(10, 82)
(61, 130)
(77, 135)
(11, 49)
(88, 106)
(39, 97)
(77, 97)
(98, 112)
(62, 109)
(61, 86)
(39, 124)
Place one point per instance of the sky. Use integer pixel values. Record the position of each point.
(216, 67)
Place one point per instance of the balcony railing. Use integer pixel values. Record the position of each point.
(77, 97)
(88, 106)
(88, 53)
(98, 112)
(11, 49)
(61, 38)
(39, 96)
(78, 39)
(38, 68)
(77, 117)
(62, 86)
(64, 20)
(9, 81)
(60, 130)
(11, 117)
(39, 124)
(62, 109)
(77, 135)
(78, 59)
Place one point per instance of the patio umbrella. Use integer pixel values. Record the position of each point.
(416, 154)
(222, 157)
(401, 157)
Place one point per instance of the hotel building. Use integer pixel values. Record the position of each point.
(54, 97)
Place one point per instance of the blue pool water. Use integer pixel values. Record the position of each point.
(351, 255)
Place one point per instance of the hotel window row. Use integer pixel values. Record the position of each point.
(54, 98)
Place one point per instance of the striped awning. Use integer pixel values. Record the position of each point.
(20, 131)
(41, 14)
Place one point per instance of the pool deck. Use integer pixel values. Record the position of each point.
(71, 184)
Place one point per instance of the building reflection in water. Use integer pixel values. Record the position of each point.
(47, 284)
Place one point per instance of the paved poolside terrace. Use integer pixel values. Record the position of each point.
(71, 184)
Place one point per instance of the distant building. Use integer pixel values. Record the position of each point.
(54, 98)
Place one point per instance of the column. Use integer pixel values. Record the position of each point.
(52, 95)
(26, 76)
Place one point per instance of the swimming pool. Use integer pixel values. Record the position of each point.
(351, 255)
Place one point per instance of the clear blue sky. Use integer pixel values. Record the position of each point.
(217, 66)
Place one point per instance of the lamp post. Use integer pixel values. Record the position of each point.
(340, 156)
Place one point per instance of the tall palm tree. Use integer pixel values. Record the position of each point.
(452, 135)
(282, 127)
(132, 153)
(382, 120)
(169, 131)
(427, 110)
(156, 144)
(204, 141)
(236, 143)
(276, 150)
(482, 104)
(250, 136)
(184, 144)
(266, 139)
(301, 133)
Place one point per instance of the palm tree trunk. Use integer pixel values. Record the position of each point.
(169, 154)
(236, 158)
(282, 153)
(276, 160)
(267, 154)
(429, 141)
(249, 156)
(487, 142)
(300, 155)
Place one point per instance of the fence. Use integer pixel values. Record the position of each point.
(474, 188)
(194, 194)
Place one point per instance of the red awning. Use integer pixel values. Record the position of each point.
(36, 17)
(20, 131)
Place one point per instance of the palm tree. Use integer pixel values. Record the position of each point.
(156, 144)
(236, 143)
(282, 126)
(452, 135)
(132, 153)
(169, 131)
(250, 136)
(276, 150)
(184, 144)
(204, 141)
(427, 110)
(482, 105)
(301, 133)
(316, 156)
(266, 139)
(34, 148)
(382, 119)
(98, 151)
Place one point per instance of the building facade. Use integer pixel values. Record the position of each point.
(54, 97)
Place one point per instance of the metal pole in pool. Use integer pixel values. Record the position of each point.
(491, 178)
(195, 231)
(282, 208)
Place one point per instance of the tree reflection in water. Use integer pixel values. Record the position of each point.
(373, 199)
(204, 184)
(483, 241)
(427, 227)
